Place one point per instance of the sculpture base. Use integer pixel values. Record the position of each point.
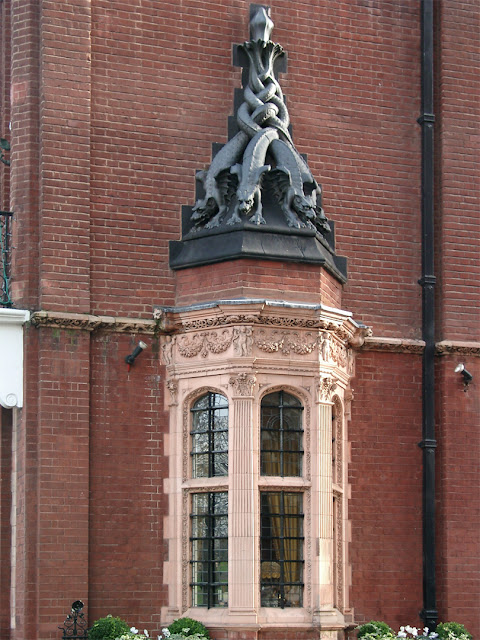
(257, 242)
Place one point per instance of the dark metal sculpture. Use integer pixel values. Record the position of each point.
(261, 157)
(258, 198)
(75, 625)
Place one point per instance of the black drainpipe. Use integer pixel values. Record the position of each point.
(429, 613)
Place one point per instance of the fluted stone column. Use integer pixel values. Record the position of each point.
(241, 503)
(325, 506)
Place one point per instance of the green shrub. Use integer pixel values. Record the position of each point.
(375, 628)
(193, 627)
(107, 628)
(452, 631)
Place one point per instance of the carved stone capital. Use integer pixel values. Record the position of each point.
(326, 386)
(172, 386)
(243, 384)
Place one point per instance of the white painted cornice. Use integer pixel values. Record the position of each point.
(11, 356)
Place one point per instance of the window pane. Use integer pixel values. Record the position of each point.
(292, 419)
(210, 436)
(209, 549)
(220, 465)
(271, 464)
(200, 442)
(281, 431)
(281, 549)
(200, 466)
(271, 440)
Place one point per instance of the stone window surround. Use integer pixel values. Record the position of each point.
(245, 351)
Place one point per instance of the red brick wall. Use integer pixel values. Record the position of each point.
(458, 176)
(127, 503)
(25, 154)
(458, 494)
(5, 60)
(53, 482)
(5, 516)
(386, 483)
(257, 279)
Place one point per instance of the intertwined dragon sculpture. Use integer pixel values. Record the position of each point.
(262, 153)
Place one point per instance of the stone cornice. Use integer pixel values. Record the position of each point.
(87, 322)
(404, 345)
(393, 345)
(271, 314)
(446, 347)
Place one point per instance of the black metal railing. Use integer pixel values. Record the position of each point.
(5, 257)
(75, 626)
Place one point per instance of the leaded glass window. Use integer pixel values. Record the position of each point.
(210, 436)
(209, 540)
(281, 549)
(282, 435)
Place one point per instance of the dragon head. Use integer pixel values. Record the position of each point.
(246, 200)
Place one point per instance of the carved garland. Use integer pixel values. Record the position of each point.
(204, 343)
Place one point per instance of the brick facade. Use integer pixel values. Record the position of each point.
(113, 107)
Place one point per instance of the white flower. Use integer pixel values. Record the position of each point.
(166, 633)
(145, 633)
(133, 630)
(401, 633)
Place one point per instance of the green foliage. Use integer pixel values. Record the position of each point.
(375, 629)
(4, 144)
(108, 628)
(193, 626)
(452, 631)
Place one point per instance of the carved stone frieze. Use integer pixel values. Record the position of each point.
(285, 342)
(243, 384)
(267, 316)
(204, 343)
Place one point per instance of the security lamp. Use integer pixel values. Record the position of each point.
(136, 352)
(467, 376)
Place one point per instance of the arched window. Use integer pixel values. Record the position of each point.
(281, 435)
(210, 436)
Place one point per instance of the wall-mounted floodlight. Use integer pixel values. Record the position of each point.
(130, 359)
(467, 376)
